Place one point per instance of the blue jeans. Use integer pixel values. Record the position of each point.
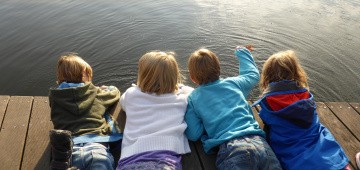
(92, 156)
(247, 153)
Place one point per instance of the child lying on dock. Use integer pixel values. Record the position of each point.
(219, 114)
(288, 109)
(78, 112)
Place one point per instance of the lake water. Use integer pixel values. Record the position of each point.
(112, 35)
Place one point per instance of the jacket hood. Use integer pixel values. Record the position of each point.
(300, 113)
(76, 100)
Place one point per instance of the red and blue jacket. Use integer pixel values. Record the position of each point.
(296, 135)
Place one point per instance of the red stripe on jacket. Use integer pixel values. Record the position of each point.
(280, 101)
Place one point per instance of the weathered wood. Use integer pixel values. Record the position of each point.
(256, 111)
(355, 106)
(3, 104)
(37, 151)
(345, 138)
(347, 115)
(191, 160)
(207, 160)
(25, 123)
(13, 133)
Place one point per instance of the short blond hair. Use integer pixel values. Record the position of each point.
(158, 72)
(72, 68)
(283, 65)
(204, 66)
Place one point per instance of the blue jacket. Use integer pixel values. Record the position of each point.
(218, 111)
(296, 135)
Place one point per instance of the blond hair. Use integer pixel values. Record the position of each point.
(158, 72)
(72, 68)
(204, 66)
(283, 65)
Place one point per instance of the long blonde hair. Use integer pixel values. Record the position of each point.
(72, 68)
(158, 72)
(283, 65)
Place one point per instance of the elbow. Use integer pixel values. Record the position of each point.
(254, 76)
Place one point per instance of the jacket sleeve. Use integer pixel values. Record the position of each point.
(109, 97)
(195, 128)
(248, 73)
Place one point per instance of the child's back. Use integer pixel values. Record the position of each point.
(80, 107)
(296, 135)
(154, 131)
(219, 114)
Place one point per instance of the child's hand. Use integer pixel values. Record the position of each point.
(107, 88)
(103, 87)
(248, 47)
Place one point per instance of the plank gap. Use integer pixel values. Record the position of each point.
(27, 131)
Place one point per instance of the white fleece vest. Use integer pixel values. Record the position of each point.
(154, 122)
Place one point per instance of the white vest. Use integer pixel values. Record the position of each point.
(154, 122)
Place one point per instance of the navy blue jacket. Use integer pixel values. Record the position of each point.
(296, 135)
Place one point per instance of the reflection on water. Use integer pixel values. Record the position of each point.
(112, 35)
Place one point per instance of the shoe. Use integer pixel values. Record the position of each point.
(61, 149)
(357, 158)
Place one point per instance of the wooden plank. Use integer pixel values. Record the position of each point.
(37, 148)
(256, 111)
(13, 133)
(191, 160)
(3, 105)
(207, 160)
(345, 138)
(355, 106)
(347, 115)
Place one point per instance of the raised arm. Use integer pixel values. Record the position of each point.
(248, 72)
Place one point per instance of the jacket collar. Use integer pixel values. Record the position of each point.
(281, 87)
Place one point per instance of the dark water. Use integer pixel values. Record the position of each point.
(111, 35)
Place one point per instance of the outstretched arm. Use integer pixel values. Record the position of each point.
(248, 73)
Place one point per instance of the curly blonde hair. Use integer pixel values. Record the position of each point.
(283, 65)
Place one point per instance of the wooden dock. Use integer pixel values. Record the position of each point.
(25, 123)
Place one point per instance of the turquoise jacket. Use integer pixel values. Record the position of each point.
(218, 111)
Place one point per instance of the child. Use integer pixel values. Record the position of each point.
(154, 130)
(220, 116)
(297, 137)
(80, 107)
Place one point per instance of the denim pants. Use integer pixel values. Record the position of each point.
(247, 153)
(92, 156)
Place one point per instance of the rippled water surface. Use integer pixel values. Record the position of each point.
(112, 35)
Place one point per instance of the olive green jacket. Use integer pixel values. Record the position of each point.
(81, 109)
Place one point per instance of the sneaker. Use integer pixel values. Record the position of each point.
(357, 158)
(61, 149)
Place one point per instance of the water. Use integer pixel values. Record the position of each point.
(112, 35)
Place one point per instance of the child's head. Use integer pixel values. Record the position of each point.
(283, 65)
(204, 67)
(73, 69)
(158, 72)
